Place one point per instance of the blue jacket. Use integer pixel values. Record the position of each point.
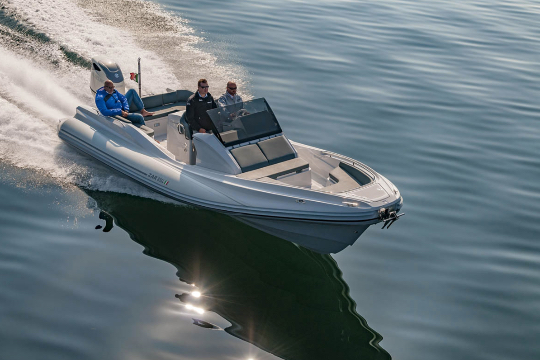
(114, 104)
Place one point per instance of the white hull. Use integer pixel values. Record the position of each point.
(322, 221)
(320, 236)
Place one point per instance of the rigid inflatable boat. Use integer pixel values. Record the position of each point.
(245, 167)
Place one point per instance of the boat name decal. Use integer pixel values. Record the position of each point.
(157, 178)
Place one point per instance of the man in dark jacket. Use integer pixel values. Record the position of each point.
(196, 108)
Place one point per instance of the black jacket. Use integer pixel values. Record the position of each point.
(196, 108)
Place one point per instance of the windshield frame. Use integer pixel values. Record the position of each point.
(217, 114)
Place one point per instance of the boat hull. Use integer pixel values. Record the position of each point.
(323, 222)
(320, 236)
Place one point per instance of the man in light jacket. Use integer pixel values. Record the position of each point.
(230, 97)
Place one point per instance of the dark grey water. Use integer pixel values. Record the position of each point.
(439, 97)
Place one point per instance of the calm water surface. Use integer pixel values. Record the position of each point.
(441, 98)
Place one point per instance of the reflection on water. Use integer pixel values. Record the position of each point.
(284, 299)
(109, 221)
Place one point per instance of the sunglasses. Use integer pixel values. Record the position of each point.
(232, 88)
(204, 87)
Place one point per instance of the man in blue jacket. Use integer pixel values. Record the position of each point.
(110, 103)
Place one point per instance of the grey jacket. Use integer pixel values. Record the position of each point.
(227, 99)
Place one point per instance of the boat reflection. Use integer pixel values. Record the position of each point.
(284, 299)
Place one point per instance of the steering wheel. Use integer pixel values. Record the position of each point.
(242, 112)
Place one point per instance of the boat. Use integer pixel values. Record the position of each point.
(245, 167)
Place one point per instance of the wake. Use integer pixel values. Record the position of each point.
(42, 81)
(32, 100)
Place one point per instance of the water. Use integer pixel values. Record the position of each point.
(439, 97)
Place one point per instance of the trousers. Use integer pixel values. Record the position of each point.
(136, 118)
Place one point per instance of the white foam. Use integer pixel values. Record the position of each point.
(124, 30)
(33, 99)
(35, 91)
(78, 30)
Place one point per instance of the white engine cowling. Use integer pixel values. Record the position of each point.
(103, 69)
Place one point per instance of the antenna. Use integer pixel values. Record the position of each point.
(139, 61)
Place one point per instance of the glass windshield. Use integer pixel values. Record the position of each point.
(245, 121)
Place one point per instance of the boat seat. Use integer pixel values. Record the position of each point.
(249, 157)
(164, 110)
(152, 101)
(146, 129)
(229, 136)
(149, 131)
(276, 170)
(356, 174)
(344, 182)
(155, 101)
(276, 150)
(163, 104)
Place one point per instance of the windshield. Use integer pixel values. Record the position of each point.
(245, 121)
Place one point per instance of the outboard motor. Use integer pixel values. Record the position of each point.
(103, 70)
